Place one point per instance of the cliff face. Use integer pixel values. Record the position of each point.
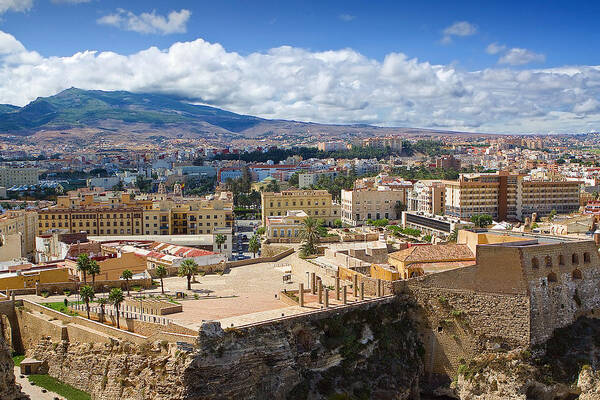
(9, 390)
(567, 366)
(367, 352)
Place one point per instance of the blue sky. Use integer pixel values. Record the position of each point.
(506, 66)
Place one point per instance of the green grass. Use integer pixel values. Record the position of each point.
(54, 385)
(17, 359)
(60, 307)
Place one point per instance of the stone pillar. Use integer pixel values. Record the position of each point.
(320, 292)
(355, 285)
(337, 288)
(326, 298)
(301, 295)
(344, 296)
(313, 283)
(378, 287)
(362, 291)
(12, 296)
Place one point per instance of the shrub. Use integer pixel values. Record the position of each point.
(45, 294)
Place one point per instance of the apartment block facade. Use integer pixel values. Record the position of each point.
(13, 176)
(427, 197)
(359, 205)
(315, 203)
(22, 223)
(507, 196)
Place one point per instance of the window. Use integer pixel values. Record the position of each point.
(548, 262)
(552, 277)
(561, 260)
(586, 257)
(576, 274)
(574, 259)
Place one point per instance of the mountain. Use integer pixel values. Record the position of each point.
(94, 116)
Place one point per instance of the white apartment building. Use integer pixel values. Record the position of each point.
(427, 196)
(359, 205)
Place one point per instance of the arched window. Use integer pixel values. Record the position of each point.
(576, 274)
(561, 259)
(552, 277)
(575, 258)
(535, 263)
(548, 262)
(586, 257)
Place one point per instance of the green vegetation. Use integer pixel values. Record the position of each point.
(127, 275)
(310, 237)
(481, 220)
(254, 245)
(60, 307)
(397, 230)
(116, 298)
(378, 222)
(161, 273)
(54, 385)
(188, 268)
(17, 358)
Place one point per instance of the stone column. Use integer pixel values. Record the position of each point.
(313, 283)
(355, 285)
(326, 298)
(344, 296)
(320, 292)
(12, 296)
(301, 295)
(337, 288)
(378, 287)
(362, 291)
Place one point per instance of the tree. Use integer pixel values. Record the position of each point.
(118, 187)
(94, 269)
(310, 236)
(83, 265)
(338, 223)
(116, 298)
(188, 268)
(254, 245)
(553, 213)
(453, 237)
(398, 208)
(161, 272)
(273, 186)
(102, 302)
(294, 179)
(220, 239)
(87, 294)
(127, 275)
(481, 220)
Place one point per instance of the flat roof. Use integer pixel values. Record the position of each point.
(528, 238)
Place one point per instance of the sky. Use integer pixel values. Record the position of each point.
(501, 67)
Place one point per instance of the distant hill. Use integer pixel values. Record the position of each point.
(89, 116)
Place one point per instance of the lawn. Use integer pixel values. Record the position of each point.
(54, 385)
(17, 359)
(60, 307)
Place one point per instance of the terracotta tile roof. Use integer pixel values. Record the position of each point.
(434, 253)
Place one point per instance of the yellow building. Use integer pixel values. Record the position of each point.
(23, 223)
(111, 267)
(315, 203)
(286, 226)
(29, 278)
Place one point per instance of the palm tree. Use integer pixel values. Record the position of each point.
(102, 302)
(87, 294)
(254, 245)
(188, 268)
(116, 298)
(83, 265)
(161, 272)
(94, 269)
(310, 236)
(127, 275)
(220, 239)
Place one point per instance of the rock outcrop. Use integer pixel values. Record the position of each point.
(9, 389)
(371, 351)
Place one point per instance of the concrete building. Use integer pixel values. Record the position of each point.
(447, 162)
(331, 146)
(507, 196)
(393, 142)
(359, 205)
(307, 179)
(435, 225)
(427, 196)
(315, 203)
(27, 276)
(107, 182)
(13, 176)
(23, 224)
(286, 226)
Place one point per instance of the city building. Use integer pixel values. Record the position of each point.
(447, 162)
(315, 203)
(507, 196)
(393, 142)
(360, 205)
(27, 276)
(18, 229)
(15, 176)
(285, 226)
(427, 196)
(429, 259)
(432, 224)
(308, 179)
(107, 182)
(331, 146)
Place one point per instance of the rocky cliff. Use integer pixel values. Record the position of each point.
(371, 351)
(9, 390)
(566, 367)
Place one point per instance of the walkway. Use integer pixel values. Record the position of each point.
(34, 391)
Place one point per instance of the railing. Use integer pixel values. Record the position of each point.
(127, 314)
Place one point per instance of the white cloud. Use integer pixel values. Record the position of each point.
(175, 22)
(517, 56)
(15, 5)
(460, 28)
(337, 86)
(495, 48)
(347, 17)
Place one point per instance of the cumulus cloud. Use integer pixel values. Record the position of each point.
(495, 48)
(337, 86)
(175, 22)
(517, 56)
(15, 5)
(347, 17)
(460, 28)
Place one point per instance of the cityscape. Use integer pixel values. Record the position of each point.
(354, 224)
